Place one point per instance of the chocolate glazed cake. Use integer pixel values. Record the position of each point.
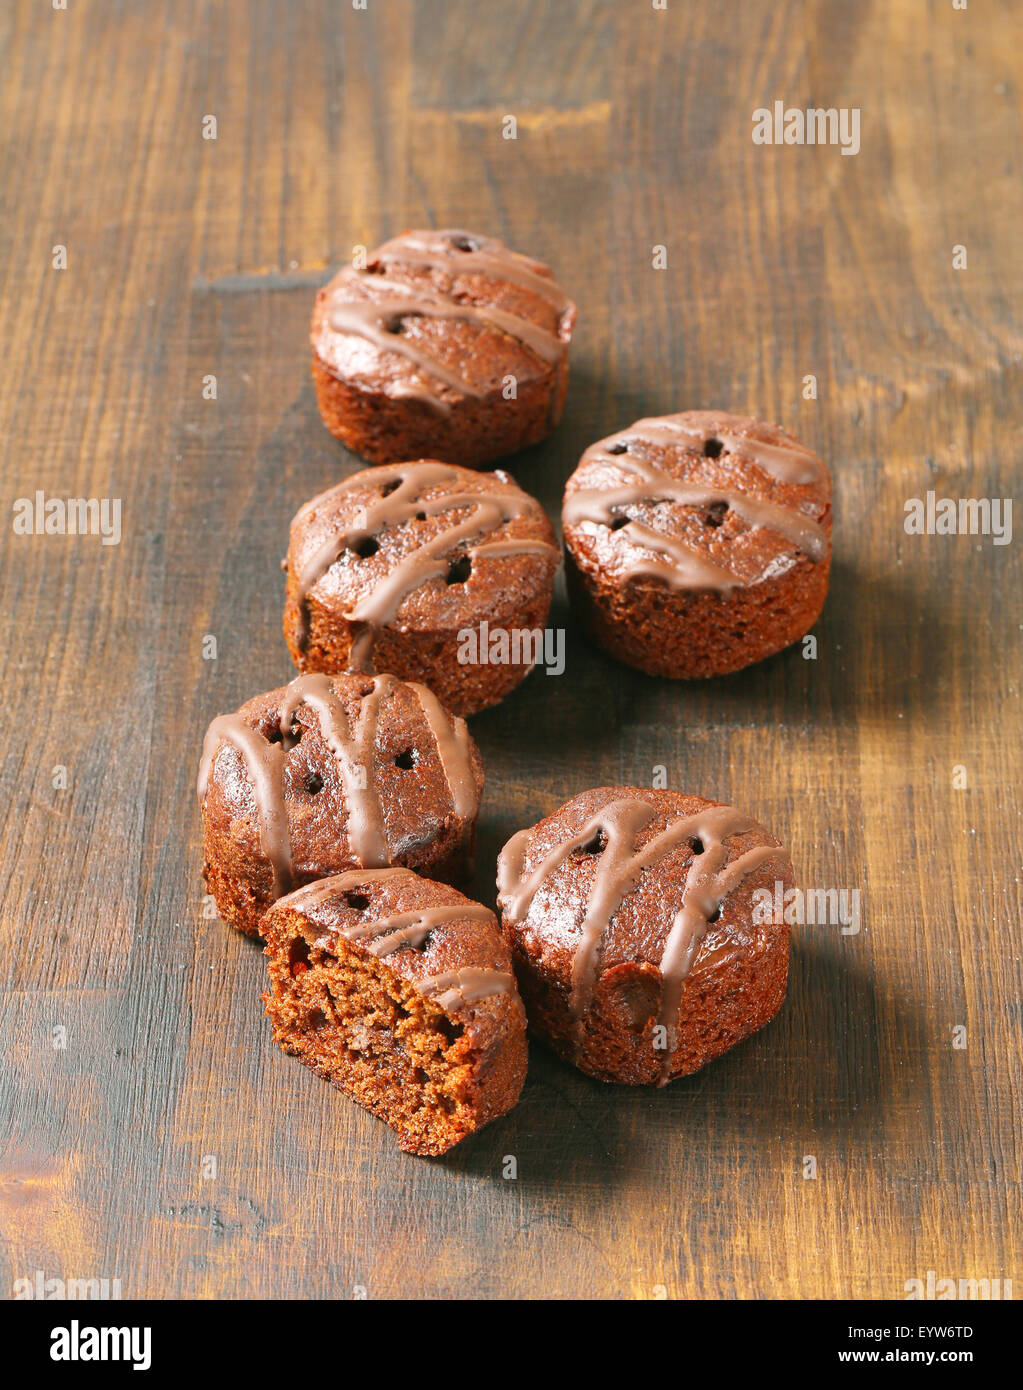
(393, 567)
(445, 345)
(698, 543)
(634, 930)
(328, 774)
(399, 991)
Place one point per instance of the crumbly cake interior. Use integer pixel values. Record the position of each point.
(359, 1024)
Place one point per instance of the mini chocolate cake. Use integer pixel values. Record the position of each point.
(698, 543)
(445, 345)
(332, 773)
(411, 568)
(635, 927)
(399, 991)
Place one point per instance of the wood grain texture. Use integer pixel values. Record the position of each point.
(188, 257)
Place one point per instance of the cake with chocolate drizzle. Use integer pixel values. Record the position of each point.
(333, 773)
(400, 992)
(698, 543)
(445, 344)
(393, 568)
(639, 944)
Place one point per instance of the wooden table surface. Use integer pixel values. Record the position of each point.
(135, 1048)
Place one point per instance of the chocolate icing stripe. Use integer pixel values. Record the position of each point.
(617, 873)
(518, 891)
(710, 878)
(437, 251)
(789, 463)
(397, 506)
(429, 561)
(451, 735)
(321, 890)
(365, 319)
(620, 869)
(381, 314)
(265, 764)
(353, 750)
(385, 935)
(709, 881)
(690, 569)
(456, 988)
(379, 322)
(598, 504)
(412, 301)
(399, 473)
(497, 549)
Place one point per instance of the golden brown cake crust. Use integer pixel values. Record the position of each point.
(445, 345)
(372, 772)
(388, 570)
(609, 908)
(399, 991)
(698, 543)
